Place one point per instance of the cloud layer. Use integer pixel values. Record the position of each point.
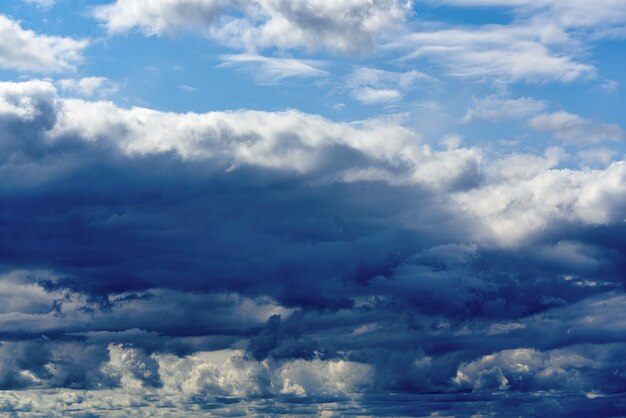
(243, 261)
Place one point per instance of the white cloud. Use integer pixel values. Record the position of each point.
(88, 86)
(26, 101)
(371, 85)
(505, 368)
(349, 27)
(572, 128)
(25, 50)
(187, 88)
(189, 382)
(317, 377)
(593, 156)
(610, 86)
(159, 17)
(498, 108)
(368, 95)
(599, 15)
(525, 195)
(533, 53)
(271, 70)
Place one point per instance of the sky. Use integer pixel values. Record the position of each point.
(373, 208)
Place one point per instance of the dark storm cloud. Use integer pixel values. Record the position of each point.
(251, 254)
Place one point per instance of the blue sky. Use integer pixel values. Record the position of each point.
(312, 207)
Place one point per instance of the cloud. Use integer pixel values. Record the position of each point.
(601, 155)
(158, 17)
(269, 70)
(369, 95)
(88, 86)
(256, 262)
(319, 25)
(525, 197)
(25, 50)
(525, 368)
(599, 17)
(495, 108)
(610, 86)
(187, 89)
(509, 53)
(371, 85)
(571, 128)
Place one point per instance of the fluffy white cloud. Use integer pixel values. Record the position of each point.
(575, 129)
(519, 367)
(524, 195)
(159, 17)
(25, 50)
(317, 377)
(320, 24)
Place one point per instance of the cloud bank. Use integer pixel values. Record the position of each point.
(250, 262)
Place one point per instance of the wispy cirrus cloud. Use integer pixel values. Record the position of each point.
(495, 108)
(272, 70)
(510, 53)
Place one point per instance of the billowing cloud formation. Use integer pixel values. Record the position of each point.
(25, 50)
(337, 26)
(238, 262)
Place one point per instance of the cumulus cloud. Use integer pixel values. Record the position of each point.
(340, 27)
(25, 50)
(526, 197)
